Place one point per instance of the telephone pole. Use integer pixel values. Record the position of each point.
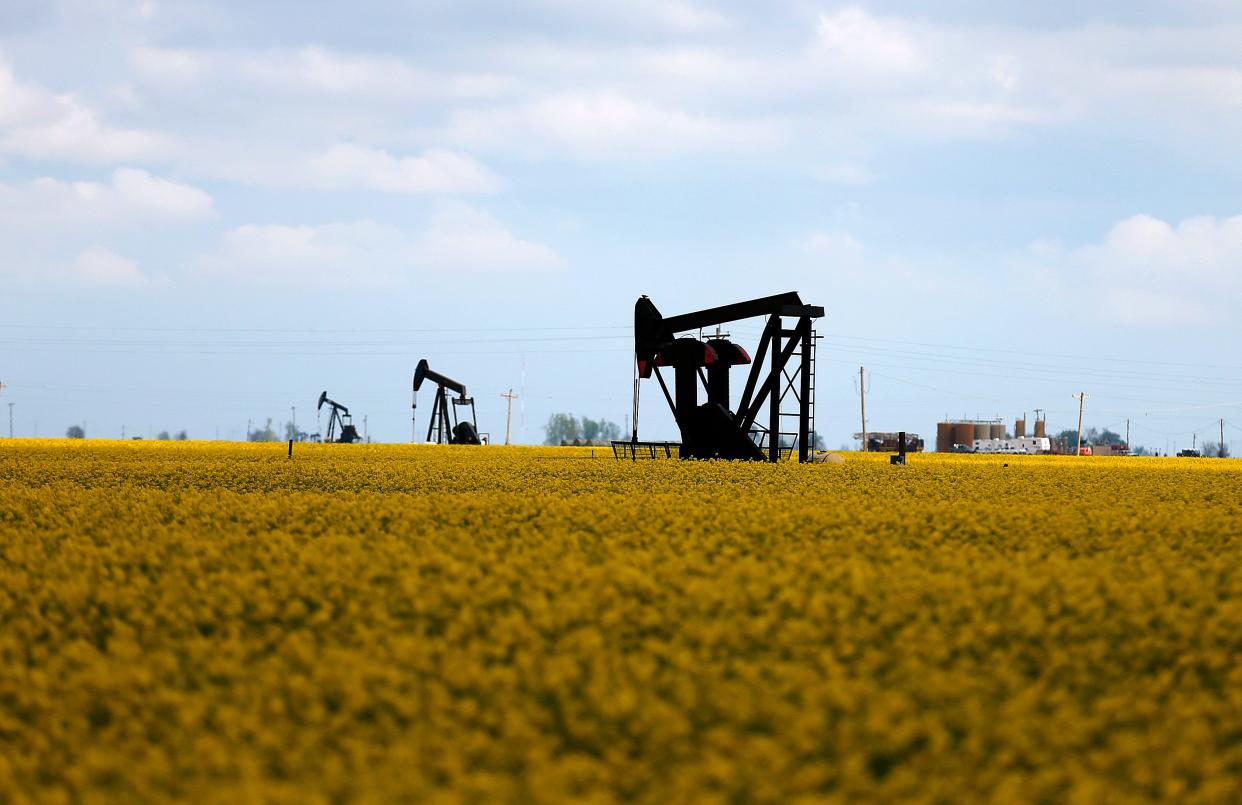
(1220, 450)
(1128, 435)
(862, 406)
(293, 410)
(1082, 396)
(510, 397)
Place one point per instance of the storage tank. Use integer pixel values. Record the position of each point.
(982, 430)
(997, 430)
(944, 437)
(1040, 428)
(1019, 428)
(963, 433)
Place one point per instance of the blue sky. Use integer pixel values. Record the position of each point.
(210, 212)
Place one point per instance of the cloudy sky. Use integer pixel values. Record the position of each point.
(210, 212)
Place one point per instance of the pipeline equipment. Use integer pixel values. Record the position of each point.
(714, 429)
(445, 428)
(339, 417)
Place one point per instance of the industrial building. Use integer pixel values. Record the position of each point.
(989, 436)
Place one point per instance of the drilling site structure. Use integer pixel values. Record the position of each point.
(338, 417)
(447, 426)
(989, 436)
(783, 367)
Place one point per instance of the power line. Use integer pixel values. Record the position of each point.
(93, 342)
(1058, 369)
(994, 375)
(122, 328)
(1026, 352)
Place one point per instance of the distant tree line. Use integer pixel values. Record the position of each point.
(1091, 436)
(78, 432)
(569, 429)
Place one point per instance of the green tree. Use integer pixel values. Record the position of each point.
(75, 432)
(562, 428)
(163, 436)
(599, 430)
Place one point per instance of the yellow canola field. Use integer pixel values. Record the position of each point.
(218, 623)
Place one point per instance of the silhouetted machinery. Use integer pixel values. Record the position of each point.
(338, 418)
(445, 428)
(784, 366)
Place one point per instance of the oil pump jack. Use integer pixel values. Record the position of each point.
(443, 428)
(715, 429)
(339, 417)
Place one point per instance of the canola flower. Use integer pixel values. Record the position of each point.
(216, 622)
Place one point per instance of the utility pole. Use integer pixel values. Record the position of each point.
(1128, 435)
(293, 410)
(1220, 451)
(509, 396)
(1082, 396)
(366, 434)
(862, 406)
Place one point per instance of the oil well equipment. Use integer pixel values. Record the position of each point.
(775, 413)
(447, 425)
(338, 418)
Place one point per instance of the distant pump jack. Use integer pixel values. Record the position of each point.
(338, 417)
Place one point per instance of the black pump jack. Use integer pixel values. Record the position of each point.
(444, 429)
(714, 429)
(339, 417)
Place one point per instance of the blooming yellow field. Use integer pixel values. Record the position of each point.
(362, 622)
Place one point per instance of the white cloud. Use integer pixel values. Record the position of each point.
(457, 238)
(38, 124)
(132, 195)
(604, 125)
(168, 65)
(461, 236)
(316, 69)
(838, 246)
(359, 251)
(100, 266)
(863, 42)
(309, 70)
(847, 173)
(436, 171)
(695, 82)
(1146, 271)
